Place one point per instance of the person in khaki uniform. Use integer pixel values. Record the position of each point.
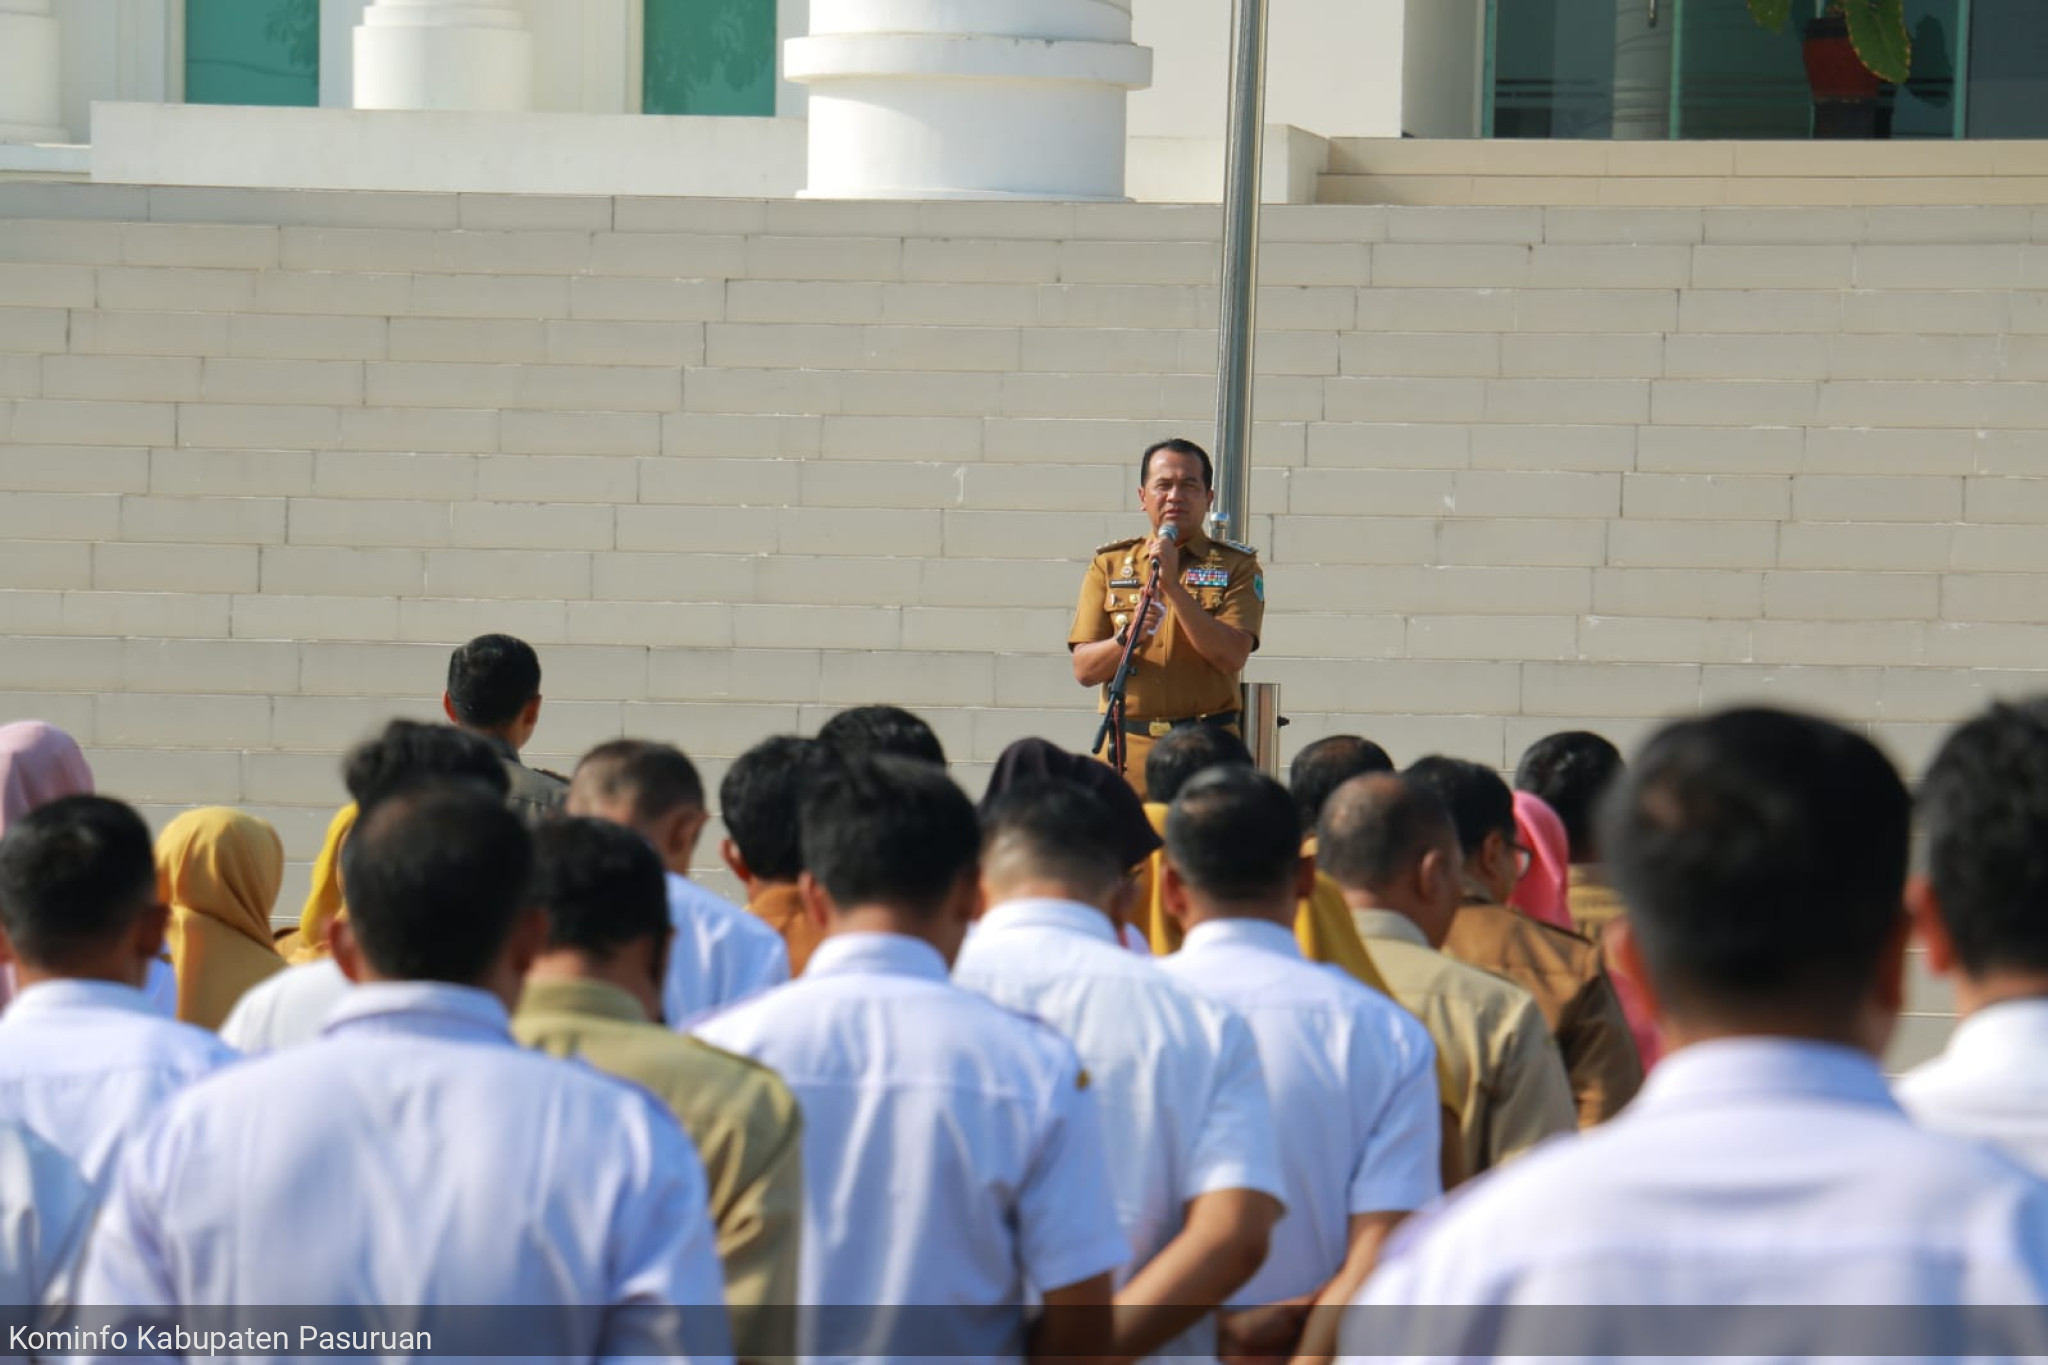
(1391, 848)
(1571, 771)
(594, 994)
(1562, 970)
(1205, 624)
(494, 693)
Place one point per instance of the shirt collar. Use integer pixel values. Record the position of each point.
(501, 746)
(1389, 924)
(2010, 1027)
(70, 993)
(1256, 935)
(428, 1008)
(1727, 1069)
(871, 954)
(1067, 917)
(584, 998)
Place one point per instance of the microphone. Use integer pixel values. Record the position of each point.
(1168, 532)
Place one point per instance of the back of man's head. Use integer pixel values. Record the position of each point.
(759, 802)
(888, 832)
(437, 876)
(1052, 832)
(872, 731)
(1233, 837)
(492, 680)
(600, 884)
(1180, 754)
(1376, 829)
(1572, 771)
(1763, 858)
(1479, 802)
(1328, 764)
(637, 781)
(1984, 810)
(409, 753)
(76, 875)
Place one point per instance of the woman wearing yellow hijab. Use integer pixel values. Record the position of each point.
(219, 870)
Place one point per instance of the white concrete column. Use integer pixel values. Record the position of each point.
(31, 54)
(444, 54)
(967, 99)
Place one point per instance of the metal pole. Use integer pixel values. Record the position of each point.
(1237, 328)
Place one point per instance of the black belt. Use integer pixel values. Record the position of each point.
(1158, 729)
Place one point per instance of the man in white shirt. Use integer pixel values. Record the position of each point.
(1351, 1075)
(1982, 912)
(84, 1056)
(415, 1154)
(1762, 856)
(721, 954)
(953, 1154)
(46, 1210)
(1192, 1147)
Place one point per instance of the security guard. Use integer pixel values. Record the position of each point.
(1195, 640)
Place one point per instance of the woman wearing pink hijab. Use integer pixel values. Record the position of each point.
(38, 764)
(1540, 894)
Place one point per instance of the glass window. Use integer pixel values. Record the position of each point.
(252, 52)
(2008, 82)
(709, 57)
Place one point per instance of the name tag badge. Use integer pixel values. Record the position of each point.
(1206, 578)
(1125, 583)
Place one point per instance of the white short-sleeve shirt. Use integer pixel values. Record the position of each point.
(46, 1210)
(1175, 1075)
(83, 1063)
(953, 1154)
(1990, 1082)
(1352, 1080)
(1747, 1172)
(288, 1007)
(721, 954)
(413, 1155)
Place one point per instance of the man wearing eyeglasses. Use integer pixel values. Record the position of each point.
(1198, 633)
(1561, 969)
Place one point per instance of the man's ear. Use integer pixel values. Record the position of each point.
(734, 863)
(1173, 893)
(348, 954)
(1623, 952)
(530, 717)
(1923, 904)
(1305, 878)
(528, 938)
(1126, 905)
(149, 930)
(817, 901)
(448, 709)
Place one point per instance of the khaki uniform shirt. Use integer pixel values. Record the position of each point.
(1171, 679)
(1593, 903)
(1496, 1059)
(535, 794)
(743, 1120)
(1564, 973)
(782, 907)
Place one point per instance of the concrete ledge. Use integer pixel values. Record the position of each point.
(44, 161)
(1189, 170)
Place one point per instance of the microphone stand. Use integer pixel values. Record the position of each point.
(1112, 728)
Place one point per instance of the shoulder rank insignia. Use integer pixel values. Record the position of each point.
(1238, 546)
(1119, 545)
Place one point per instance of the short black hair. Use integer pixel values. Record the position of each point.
(759, 803)
(1328, 764)
(491, 679)
(1984, 810)
(75, 875)
(1762, 856)
(868, 731)
(437, 876)
(1571, 771)
(654, 778)
(1179, 755)
(603, 886)
(1177, 446)
(1479, 802)
(1376, 827)
(410, 752)
(889, 831)
(1233, 835)
(1061, 829)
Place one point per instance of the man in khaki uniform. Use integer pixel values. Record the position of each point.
(1393, 852)
(1193, 644)
(494, 692)
(594, 994)
(1562, 970)
(1571, 771)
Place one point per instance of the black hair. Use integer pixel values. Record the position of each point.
(1177, 446)
(1374, 829)
(436, 877)
(1571, 771)
(75, 874)
(1984, 808)
(1328, 764)
(491, 679)
(1232, 834)
(1061, 829)
(759, 801)
(1179, 755)
(603, 886)
(654, 778)
(410, 752)
(1479, 802)
(889, 831)
(1762, 856)
(868, 731)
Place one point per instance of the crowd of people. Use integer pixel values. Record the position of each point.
(1067, 1073)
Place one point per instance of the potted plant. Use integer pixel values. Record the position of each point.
(1852, 49)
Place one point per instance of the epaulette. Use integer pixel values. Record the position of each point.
(1238, 546)
(1119, 545)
